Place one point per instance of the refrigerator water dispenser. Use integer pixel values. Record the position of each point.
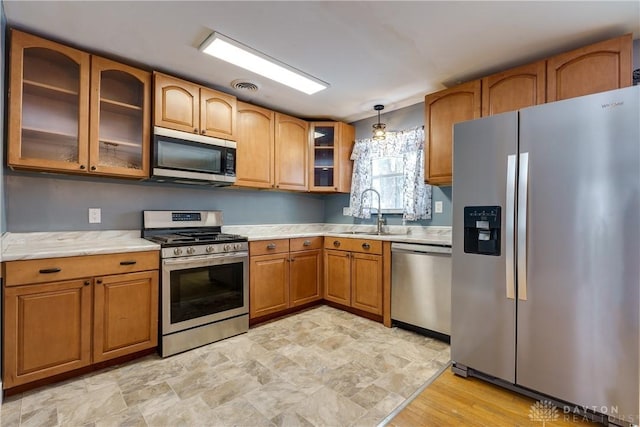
(482, 230)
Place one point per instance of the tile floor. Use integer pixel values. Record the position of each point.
(321, 367)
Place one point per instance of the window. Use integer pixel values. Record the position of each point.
(387, 177)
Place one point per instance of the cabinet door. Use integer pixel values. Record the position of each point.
(324, 166)
(595, 68)
(48, 105)
(177, 104)
(291, 153)
(347, 138)
(120, 119)
(305, 277)
(514, 89)
(125, 314)
(217, 114)
(255, 153)
(268, 284)
(47, 330)
(337, 277)
(442, 110)
(366, 282)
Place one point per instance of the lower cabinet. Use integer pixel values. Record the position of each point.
(283, 274)
(55, 322)
(354, 273)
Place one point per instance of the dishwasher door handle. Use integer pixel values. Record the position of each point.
(408, 248)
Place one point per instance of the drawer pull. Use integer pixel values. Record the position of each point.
(271, 246)
(307, 243)
(50, 270)
(128, 262)
(336, 243)
(99, 281)
(365, 245)
(87, 282)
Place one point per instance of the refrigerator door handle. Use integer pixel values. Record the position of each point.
(510, 226)
(523, 188)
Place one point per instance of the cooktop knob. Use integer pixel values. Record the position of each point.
(237, 246)
(177, 251)
(227, 247)
(209, 249)
(191, 251)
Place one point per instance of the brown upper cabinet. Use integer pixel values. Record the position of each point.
(595, 68)
(330, 157)
(255, 152)
(599, 67)
(442, 110)
(513, 89)
(291, 153)
(188, 107)
(76, 113)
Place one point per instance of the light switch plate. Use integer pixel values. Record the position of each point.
(438, 207)
(95, 215)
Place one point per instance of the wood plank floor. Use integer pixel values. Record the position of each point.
(454, 401)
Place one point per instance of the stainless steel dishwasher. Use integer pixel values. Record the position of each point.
(421, 288)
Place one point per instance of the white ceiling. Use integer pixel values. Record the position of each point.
(388, 52)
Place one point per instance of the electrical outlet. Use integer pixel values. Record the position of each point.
(438, 207)
(346, 211)
(95, 215)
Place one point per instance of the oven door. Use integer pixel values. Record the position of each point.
(203, 289)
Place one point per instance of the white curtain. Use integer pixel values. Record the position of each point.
(410, 145)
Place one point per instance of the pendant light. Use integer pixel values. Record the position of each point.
(378, 129)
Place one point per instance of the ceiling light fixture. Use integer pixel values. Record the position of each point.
(379, 128)
(236, 53)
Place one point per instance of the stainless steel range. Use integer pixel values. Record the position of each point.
(204, 278)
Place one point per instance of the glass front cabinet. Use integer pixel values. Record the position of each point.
(331, 166)
(76, 113)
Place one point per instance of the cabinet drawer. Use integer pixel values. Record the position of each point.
(264, 247)
(55, 269)
(354, 245)
(305, 244)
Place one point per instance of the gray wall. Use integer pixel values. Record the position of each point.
(402, 119)
(43, 202)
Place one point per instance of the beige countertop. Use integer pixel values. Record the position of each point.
(37, 245)
(22, 246)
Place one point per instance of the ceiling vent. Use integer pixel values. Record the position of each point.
(244, 85)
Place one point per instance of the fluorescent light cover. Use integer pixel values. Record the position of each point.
(229, 50)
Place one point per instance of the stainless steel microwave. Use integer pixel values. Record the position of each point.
(188, 158)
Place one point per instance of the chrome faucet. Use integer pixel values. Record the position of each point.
(380, 222)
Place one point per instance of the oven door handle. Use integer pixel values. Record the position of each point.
(207, 259)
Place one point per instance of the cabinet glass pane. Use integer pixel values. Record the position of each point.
(323, 177)
(50, 100)
(121, 120)
(323, 158)
(323, 136)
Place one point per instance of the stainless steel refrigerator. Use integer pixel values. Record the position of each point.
(546, 251)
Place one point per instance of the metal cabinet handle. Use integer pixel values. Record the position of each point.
(203, 131)
(82, 167)
(99, 281)
(50, 270)
(93, 168)
(271, 246)
(132, 262)
(87, 282)
(306, 243)
(292, 259)
(365, 245)
(336, 243)
(195, 130)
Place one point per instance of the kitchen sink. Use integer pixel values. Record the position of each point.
(373, 233)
